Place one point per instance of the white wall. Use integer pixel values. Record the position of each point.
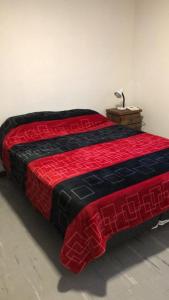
(62, 54)
(152, 63)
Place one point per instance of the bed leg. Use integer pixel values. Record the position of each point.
(2, 173)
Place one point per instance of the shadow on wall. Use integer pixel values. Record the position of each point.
(95, 277)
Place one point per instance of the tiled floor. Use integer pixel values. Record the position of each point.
(30, 268)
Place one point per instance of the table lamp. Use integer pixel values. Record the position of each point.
(119, 94)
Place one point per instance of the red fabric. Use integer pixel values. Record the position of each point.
(87, 235)
(45, 173)
(36, 131)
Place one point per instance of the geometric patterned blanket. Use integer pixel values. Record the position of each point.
(87, 175)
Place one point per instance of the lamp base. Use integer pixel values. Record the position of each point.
(121, 108)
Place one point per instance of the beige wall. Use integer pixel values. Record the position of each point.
(152, 63)
(58, 54)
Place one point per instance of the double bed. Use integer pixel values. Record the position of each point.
(93, 179)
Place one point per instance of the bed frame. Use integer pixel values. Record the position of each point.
(2, 173)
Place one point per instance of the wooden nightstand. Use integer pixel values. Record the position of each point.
(129, 118)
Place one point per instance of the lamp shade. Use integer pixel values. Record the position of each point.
(119, 93)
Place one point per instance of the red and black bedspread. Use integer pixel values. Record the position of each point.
(90, 177)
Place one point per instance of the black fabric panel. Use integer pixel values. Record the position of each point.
(70, 196)
(15, 121)
(21, 155)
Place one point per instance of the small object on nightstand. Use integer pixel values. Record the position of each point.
(130, 117)
(133, 108)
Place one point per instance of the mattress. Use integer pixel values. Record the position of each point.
(90, 177)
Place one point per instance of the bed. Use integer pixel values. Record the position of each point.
(93, 179)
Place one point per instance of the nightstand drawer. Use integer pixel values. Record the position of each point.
(130, 119)
(136, 126)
